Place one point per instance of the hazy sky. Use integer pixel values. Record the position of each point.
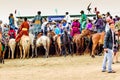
(47, 7)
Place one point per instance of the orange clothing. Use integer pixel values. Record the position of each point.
(23, 30)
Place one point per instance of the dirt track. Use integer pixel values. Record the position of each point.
(57, 68)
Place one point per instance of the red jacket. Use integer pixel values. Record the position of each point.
(12, 34)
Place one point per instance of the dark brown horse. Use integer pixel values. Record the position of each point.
(51, 35)
(96, 40)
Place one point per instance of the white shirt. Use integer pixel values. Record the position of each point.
(68, 19)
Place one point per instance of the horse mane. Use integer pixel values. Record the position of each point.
(39, 35)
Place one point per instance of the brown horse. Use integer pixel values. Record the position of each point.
(58, 45)
(51, 35)
(96, 40)
(80, 40)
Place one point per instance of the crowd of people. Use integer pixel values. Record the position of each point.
(39, 24)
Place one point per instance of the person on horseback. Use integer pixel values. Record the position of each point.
(23, 30)
(75, 29)
(37, 22)
(12, 21)
(12, 33)
(83, 20)
(5, 37)
(0, 27)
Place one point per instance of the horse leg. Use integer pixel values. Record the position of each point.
(32, 51)
(9, 53)
(56, 49)
(93, 50)
(36, 52)
(13, 53)
(77, 46)
(20, 52)
(3, 56)
(46, 52)
(24, 53)
(72, 48)
(28, 52)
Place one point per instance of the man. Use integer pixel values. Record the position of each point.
(12, 21)
(67, 17)
(23, 30)
(109, 44)
(83, 20)
(37, 23)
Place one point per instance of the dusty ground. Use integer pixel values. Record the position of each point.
(57, 68)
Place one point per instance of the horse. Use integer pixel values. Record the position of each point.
(43, 41)
(2, 54)
(81, 40)
(25, 46)
(32, 43)
(96, 39)
(63, 43)
(12, 45)
(51, 35)
(67, 43)
(58, 45)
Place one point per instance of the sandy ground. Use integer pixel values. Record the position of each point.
(57, 68)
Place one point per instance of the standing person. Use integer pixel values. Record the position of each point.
(23, 30)
(37, 23)
(83, 20)
(12, 21)
(116, 49)
(67, 17)
(108, 20)
(109, 44)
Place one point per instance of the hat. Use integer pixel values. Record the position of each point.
(99, 16)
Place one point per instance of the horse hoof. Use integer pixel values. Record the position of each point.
(93, 56)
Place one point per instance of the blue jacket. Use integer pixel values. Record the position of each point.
(108, 41)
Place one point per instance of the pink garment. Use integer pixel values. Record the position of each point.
(75, 28)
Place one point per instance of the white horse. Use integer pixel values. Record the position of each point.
(12, 45)
(45, 42)
(25, 46)
(32, 43)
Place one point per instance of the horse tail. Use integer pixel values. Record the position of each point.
(90, 44)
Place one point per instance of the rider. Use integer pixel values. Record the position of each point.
(12, 33)
(37, 23)
(12, 21)
(23, 30)
(5, 37)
